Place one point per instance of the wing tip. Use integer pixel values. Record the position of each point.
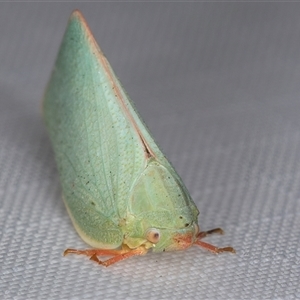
(77, 14)
(78, 17)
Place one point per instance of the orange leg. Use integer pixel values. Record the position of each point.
(214, 249)
(118, 255)
(116, 258)
(210, 247)
(91, 252)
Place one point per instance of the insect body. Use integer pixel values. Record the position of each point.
(122, 194)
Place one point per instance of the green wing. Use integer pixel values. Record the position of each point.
(101, 145)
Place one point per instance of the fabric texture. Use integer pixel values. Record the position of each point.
(218, 86)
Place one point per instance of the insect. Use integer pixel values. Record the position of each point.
(123, 196)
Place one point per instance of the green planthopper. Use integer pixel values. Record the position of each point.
(122, 194)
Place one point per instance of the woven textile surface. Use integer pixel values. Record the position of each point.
(218, 86)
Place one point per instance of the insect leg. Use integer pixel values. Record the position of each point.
(213, 248)
(210, 247)
(117, 258)
(203, 234)
(91, 252)
(118, 255)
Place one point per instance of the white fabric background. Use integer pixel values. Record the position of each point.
(218, 86)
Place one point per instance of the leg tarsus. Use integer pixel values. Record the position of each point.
(227, 249)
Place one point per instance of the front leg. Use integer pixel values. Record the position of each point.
(210, 247)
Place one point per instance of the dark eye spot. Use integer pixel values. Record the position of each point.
(186, 224)
(156, 235)
(93, 203)
(180, 217)
(153, 235)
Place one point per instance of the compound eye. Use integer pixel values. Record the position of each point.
(153, 235)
